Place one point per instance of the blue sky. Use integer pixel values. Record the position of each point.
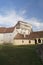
(30, 11)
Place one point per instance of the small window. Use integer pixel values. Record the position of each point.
(29, 41)
(22, 41)
(10, 34)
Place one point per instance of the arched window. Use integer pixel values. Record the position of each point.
(35, 41)
(29, 41)
(39, 41)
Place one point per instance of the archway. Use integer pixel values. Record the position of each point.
(39, 41)
(35, 41)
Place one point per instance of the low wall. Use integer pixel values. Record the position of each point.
(23, 42)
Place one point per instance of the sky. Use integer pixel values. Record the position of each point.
(30, 11)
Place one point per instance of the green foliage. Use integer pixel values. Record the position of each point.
(19, 55)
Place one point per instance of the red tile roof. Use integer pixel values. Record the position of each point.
(38, 34)
(32, 35)
(9, 30)
(2, 29)
(20, 36)
(6, 30)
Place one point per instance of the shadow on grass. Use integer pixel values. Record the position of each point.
(19, 55)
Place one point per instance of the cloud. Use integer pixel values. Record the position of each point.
(36, 24)
(23, 12)
(11, 17)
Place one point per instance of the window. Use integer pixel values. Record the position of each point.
(10, 34)
(23, 32)
(35, 41)
(22, 41)
(39, 41)
(29, 41)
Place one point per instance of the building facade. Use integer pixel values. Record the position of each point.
(20, 34)
(32, 38)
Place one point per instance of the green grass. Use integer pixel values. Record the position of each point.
(19, 55)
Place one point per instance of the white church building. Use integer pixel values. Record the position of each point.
(20, 34)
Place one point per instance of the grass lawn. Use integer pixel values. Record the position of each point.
(19, 55)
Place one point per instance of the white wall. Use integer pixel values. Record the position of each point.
(19, 42)
(23, 31)
(24, 28)
(1, 38)
(7, 37)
